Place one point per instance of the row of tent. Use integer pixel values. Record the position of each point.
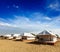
(44, 36)
(26, 36)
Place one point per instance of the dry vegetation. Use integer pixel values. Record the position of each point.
(19, 46)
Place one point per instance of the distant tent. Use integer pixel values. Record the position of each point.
(8, 36)
(28, 36)
(17, 37)
(46, 37)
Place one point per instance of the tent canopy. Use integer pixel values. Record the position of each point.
(45, 32)
(28, 34)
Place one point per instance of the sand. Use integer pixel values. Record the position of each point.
(20, 46)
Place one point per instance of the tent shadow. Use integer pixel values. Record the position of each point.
(39, 43)
(18, 40)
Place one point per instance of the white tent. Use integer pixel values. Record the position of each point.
(19, 38)
(16, 35)
(46, 33)
(46, 36)
(8, 36)
(29, 36)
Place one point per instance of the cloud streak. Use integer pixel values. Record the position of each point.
(55, 5)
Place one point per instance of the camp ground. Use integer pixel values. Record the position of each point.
(42, 37)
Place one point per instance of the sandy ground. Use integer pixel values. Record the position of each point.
(19, 46)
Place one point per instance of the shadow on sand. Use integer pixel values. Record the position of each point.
(18, 40)
(39, 43)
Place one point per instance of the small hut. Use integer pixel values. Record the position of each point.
(46, 37)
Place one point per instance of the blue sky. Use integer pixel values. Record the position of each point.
(18, 16)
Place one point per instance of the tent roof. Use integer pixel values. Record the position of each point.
(8, 35)
(46, 33)
(16, 34)
(27, 34)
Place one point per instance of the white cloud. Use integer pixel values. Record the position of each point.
(7, 24)
(56, 21)
(25, 24)
(55, 5)
(48, 18)
(15, 6)
(38, 16)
